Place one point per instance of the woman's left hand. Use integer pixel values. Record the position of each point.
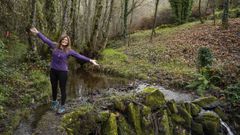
(94, 62)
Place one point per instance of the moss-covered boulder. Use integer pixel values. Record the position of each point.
(179, 130)
(123, 127)
(205, 101)
(195, 109)
(177, 119)
(172, 106)
(210, 122)
(164, 124)
(186, 116)
(83, 117)
(220, 113)
(135, 118)
(188, 107)
(197, 129)
(153, 97)
(118, 104)
(110, 126)
(146, 110)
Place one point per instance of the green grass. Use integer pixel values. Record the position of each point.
(22, 83)
(143, 59)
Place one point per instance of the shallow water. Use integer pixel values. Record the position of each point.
(169, 94)
(81, 85)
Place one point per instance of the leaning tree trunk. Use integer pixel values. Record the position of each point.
(225, 14)
(155, 20)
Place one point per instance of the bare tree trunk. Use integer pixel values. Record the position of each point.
(155, 20)
(106, 34)
(225, 14)
(199, 10)
(93, 40)
(32, 23)
(65, 19)
(87, 19)
(131, 21)
(73, 18)
(214, 15)
(125, 21)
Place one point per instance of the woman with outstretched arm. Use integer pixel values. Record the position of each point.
(59, 66)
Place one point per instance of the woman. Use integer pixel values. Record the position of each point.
(59, 66)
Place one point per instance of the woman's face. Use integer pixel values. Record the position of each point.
(64, 42)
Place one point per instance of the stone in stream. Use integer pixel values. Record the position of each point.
(205, 101)
(153, 97)
(145, 113)
(210, 122)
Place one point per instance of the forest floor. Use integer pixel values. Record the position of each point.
(170, 59)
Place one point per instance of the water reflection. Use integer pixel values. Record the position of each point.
(83, 83)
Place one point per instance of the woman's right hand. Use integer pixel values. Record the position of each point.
(34, 30)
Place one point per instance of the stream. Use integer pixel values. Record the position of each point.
(82, 88)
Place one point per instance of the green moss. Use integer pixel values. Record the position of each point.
(123, 127)
(146, 110)
(118, 104)
(186, 116)
(188, 107)
(197, 129)
(177, 119)
(210, 123)
(135, 118)
(195, 109)
(220, 113)
(204, 101)
(164, 124)
(81, 121)
(110, 127)
(172, 106)
(103, 116)
(154, 98)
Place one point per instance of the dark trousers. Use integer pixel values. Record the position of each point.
(58, 77)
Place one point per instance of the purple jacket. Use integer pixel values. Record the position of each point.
(59, 57)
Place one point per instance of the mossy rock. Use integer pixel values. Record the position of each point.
(188, 107)
(195, 109)
(186, 116)
(172, 106)
(204, 101)
(123, 127)
(146, 110)
(177, 119)
(210, 122)
(220, 113)
(179, 130)
(164, 125)
(110, 127)
(147, 126)
(118, 104)
(154, 98)
(81, 121)
(135, 118)
(103, 116)
(197, 129)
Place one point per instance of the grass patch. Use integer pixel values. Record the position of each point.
(146, 60)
